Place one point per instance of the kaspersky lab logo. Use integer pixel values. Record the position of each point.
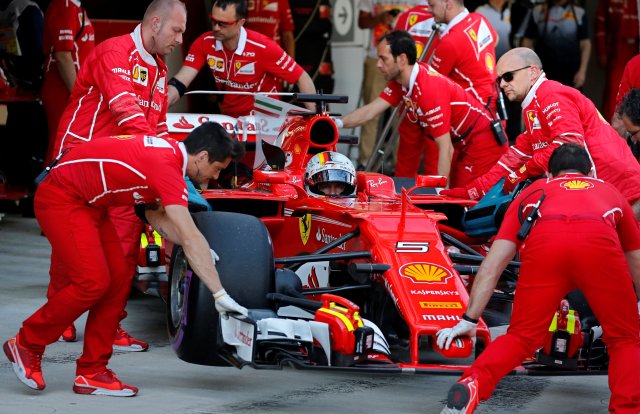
(425, 273)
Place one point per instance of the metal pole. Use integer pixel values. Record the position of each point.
(377, 157)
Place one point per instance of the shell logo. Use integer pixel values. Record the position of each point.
(576, 185)
(490, 63)
(211, 62)
(425, 272)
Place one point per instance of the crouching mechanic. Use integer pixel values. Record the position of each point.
(589, 228)
(72, 206)
(330, 174)
(452, 117)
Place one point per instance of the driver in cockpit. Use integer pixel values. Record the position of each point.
(331, 174)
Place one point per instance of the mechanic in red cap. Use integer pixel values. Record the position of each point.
(554, 114)
(585, 236)
(452, 117)
(72, 206)
(418, 22)
(630, 80)
(466, 52)
(68, 39)
(240, 60)
(122, 89)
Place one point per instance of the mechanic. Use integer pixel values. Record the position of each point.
(377, 16)
(554, 114)
(452, 117)
(466, 52)
(273, 19)
(629, 114)
(68, 39)
(418, 22)
(330, 173)
(617, 40)
(630, 79)
(122, 89)
(72, 206)
(240, 60)
(583, 231)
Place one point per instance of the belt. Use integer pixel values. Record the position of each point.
(573, 217)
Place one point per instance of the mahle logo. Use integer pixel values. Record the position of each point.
(425, 272)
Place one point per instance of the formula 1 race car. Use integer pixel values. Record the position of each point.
(359, 282)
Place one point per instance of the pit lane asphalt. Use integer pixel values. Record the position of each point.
(168, 385)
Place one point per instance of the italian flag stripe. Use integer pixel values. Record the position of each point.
(267, 108)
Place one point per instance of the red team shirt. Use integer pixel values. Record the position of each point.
(630, 78)
(466, 54)
(124, 171)
(555, 114)
(451, 109)
(418, 21)
(596, 200)
(269, 18)
(67, 29)
(255, 66)
(121, 88)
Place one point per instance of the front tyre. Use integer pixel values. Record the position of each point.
(246, 270)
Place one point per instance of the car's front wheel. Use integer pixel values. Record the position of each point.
(246, 270)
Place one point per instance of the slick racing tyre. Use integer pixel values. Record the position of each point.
(246, 270)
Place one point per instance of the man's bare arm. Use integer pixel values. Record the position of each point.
(186, 75)
(365, 113)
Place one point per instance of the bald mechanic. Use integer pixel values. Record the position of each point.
(240, 60)
(585, 237)
(451, 117)
(122, 89)
(554, 114)
(72, 206)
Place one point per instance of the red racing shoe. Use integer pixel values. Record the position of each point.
(125, 342)
(25, 363)
(462, 397)
(69, 334)
(103, 383)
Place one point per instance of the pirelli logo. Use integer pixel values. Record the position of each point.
(441, 305)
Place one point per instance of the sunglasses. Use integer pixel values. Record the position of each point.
(508, 76)
(632, 134)
(223, 24)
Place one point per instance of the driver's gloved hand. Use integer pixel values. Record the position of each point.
(514, 178)
(225, 304)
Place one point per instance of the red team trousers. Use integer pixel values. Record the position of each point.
(561, 256)
(90, 273)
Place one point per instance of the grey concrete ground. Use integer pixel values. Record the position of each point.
(168, 385)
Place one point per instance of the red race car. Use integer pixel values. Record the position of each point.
(357, 282)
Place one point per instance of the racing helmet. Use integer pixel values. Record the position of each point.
(330, 167)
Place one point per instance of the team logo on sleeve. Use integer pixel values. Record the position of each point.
(413, 19)
(480, 38)
(140, 75)
(576, 185)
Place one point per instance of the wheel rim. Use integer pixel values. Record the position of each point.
(177, 289)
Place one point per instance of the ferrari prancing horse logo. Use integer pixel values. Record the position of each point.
(304, 223)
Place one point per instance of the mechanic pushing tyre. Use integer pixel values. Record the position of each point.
(246, 269)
